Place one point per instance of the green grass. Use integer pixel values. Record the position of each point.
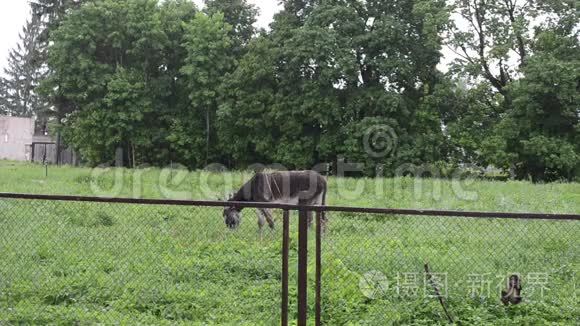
(68, 263)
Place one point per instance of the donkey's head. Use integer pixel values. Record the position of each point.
(232, 217)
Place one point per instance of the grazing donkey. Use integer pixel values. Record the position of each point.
(285, 187)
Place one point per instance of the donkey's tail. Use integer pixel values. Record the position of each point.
(324, 186)
(324, 213)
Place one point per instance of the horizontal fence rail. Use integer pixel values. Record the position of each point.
(349, 209)
(153, 259)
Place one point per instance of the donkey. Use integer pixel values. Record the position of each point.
(284, 187)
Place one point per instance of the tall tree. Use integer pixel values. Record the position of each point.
(107, 61)
(296, 10)
(246, 116)
(240, 15)
(497, 44)
(23, 74)
(208, 61)
(48, 15)
(494, 33)
(331, 70)
(539, 137)
(176, 16)
(3, 97)
(469, 118)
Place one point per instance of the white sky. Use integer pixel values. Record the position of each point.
(13, 15)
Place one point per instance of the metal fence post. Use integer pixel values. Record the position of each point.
(302, 267)
(319, 218)
(285, 249)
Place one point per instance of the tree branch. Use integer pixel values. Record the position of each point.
(521, 47)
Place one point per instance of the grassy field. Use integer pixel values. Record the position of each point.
(68, 263)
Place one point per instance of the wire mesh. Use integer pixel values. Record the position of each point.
(70, 262)
(373, 269)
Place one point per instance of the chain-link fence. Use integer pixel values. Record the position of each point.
(68, 262)
(379, 269)
(82, 260)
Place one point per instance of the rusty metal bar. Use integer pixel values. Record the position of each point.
(44, 143)
(386, 211)
(447, 213)
(302, 268)
(318, 267)
(285, 250)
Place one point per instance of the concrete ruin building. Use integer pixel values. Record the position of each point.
(22, 139)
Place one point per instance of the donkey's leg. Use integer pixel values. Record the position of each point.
(268, 214)
(320, 201)
(313, 202)
(261, 222)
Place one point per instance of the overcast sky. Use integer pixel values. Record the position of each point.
(14, 13)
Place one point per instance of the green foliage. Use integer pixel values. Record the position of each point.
(540, 134)
(245, 114)
(137, 75)
(240, 15)
(48, 15)
(108, 59)
(208, 60)
(166, 83)
(531, 128)
(322, 82)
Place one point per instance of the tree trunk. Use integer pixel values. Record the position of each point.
(133, 155)
(207, 139)
(58, 145)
